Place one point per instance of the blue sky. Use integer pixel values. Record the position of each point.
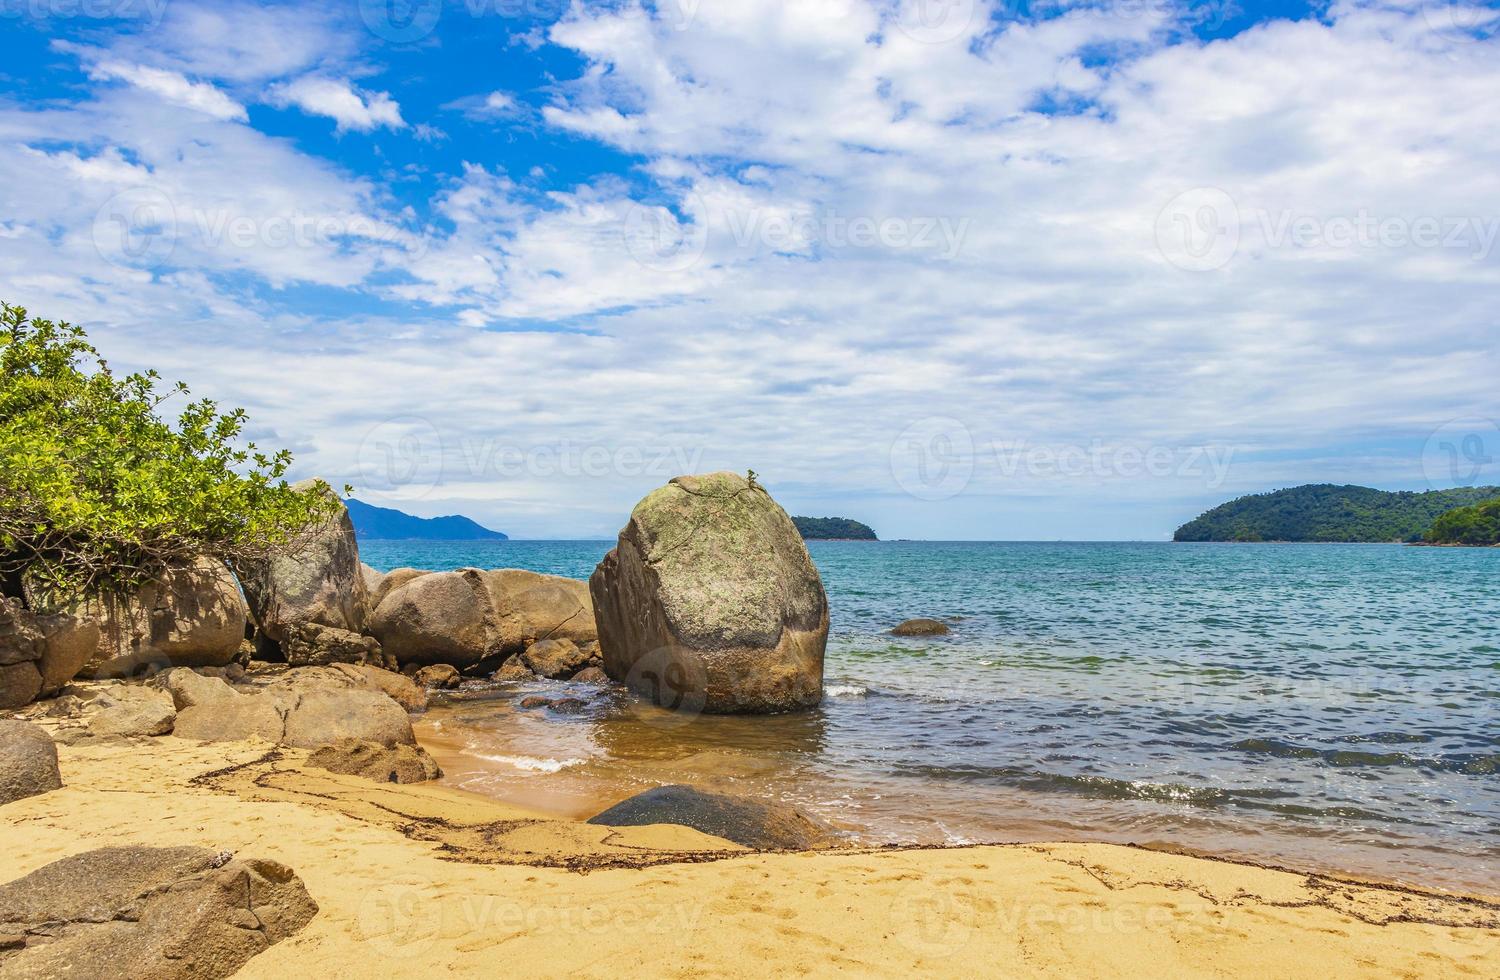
(961, 269)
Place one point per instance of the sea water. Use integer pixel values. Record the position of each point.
(1327, 707)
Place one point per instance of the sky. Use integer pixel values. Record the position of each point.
(961, 269)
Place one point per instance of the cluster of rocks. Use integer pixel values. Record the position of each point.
(709, 602)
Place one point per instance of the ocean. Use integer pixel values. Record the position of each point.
(1320, 707)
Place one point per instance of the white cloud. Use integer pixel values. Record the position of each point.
(172, 87)
(340, 101)
(731, 317)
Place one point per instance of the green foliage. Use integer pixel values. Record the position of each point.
(1324, 512)
(830, 528)
(1478, 524)
(97, 493)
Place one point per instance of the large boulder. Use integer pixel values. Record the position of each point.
(160, 912)
(70, 643)
(193, 616)
(751, 823)
(305, 708)
(237, 718)
(40, 652)
(318, 580)
(320, 716)
(28, 763)
(711, 602)
(371, 760)
(470, 615)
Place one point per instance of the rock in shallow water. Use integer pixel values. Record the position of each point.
(921, 627)
(751, 823)
(710, 601)
(28, 763)
(159, 912)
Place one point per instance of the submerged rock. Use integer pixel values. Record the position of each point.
(921, 627)
(28, 764)
(711, 602)
(751, 823)
(159, 912)
(371, 760)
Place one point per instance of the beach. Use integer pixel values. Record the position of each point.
(425, 880)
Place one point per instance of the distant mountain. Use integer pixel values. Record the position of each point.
(833, 528)
(386, 523)
(1325, 512)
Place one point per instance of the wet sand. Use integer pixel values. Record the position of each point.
(426, 880)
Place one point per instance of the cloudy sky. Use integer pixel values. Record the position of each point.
(957, 268)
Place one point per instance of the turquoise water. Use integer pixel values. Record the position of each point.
(1326, 706)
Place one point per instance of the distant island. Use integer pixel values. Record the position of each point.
(833, 529)
(373, 523)
(1326, 512)
(1478, 525)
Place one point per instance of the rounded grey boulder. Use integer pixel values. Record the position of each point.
(319, 580)
(28, 762)
(751, 823)
(469, 615)
(711, 602)
(192, 616)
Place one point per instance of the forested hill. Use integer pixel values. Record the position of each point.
(386, 523)
(833, 528)
(1477, 525)
(1325, 512)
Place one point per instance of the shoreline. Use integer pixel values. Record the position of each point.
(420, 879)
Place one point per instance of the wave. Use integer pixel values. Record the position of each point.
(530, 763)
(1466, 763)
(845, 691)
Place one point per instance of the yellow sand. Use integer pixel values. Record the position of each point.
(424, 881)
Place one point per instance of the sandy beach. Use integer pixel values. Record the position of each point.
(424, 880)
